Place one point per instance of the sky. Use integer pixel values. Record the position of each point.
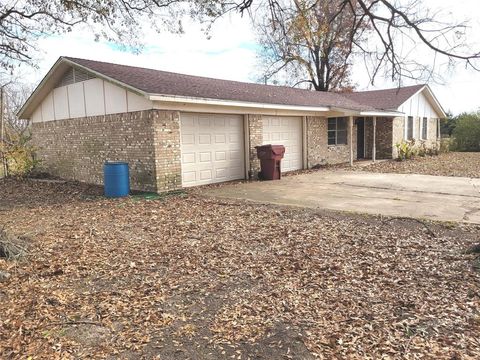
(231, 53)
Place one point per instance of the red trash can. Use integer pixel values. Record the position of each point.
(270, 161)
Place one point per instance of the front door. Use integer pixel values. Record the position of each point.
(360, 138)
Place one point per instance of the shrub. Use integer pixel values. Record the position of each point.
(406, 150)
(466, 135)
(444, 146)
(19, 156)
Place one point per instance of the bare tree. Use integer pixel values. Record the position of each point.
(311, 42)
(398, 30)
(397, 26)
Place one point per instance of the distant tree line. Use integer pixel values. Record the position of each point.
(464, 130)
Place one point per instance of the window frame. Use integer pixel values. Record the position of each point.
(424, 132)
(409, 128)
(337, 130)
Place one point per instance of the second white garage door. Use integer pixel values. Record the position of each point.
(286, 131)
(212, 147)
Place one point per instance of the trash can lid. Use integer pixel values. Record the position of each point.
(116, 163)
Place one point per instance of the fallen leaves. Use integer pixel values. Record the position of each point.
(446, 164)
(193, 277)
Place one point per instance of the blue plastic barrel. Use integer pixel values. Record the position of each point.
(116, 179)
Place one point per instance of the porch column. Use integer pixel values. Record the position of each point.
(374, 149)
(350, 136)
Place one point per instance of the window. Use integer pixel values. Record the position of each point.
(439, 135)
(410, 128)
(337, 131)
(424, 128)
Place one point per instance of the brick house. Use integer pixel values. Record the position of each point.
(177, 130)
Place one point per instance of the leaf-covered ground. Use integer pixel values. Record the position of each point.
(446, 164)
(190, 277)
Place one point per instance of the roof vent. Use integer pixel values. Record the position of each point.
(74, 76)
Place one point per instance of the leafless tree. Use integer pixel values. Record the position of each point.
(311, 43)
(398, 31)
(397, 26)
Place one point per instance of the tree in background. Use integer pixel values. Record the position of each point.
(397, 31)
(16, 155)
(310, 42)
(466, 135)
(448, 124)
(397, 27)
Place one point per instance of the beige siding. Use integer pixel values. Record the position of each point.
(76, 100)
(60, 98)
(115, 99)
(94, 100)
(48, 112)
(92, 97)
(136, 102)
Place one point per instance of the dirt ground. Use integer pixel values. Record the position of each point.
(446, 164)
(189, 277)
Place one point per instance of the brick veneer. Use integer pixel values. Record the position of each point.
(318, 150)
(383, 137)
(148, 140)
(168, 167)
(255, 131)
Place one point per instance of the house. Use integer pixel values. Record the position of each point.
(178, 130)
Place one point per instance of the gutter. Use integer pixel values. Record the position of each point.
(246, 104)
(374, 112)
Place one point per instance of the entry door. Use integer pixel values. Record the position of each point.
(360, 138)
(286, 131)
(212, 147)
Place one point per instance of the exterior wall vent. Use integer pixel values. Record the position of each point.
(73, 76)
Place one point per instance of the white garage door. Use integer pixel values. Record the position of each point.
(212, 147)
(286, 131)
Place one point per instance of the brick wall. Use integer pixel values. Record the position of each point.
(255, 131)
(318, 150)
(383, 137)
(168, 168)
(148, 140)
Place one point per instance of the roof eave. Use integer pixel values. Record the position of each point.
(382, 113)
(436, 103)
(25, 112)
(375, 112)
(246, 104)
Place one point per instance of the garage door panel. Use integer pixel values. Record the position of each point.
(212, 148)
(285, 131)
(188, 139)
(205, 157)
(188, 158)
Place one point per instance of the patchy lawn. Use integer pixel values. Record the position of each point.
(187, 277)
(446, 164)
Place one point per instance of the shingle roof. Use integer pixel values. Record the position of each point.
(386, 99)
(168, 83)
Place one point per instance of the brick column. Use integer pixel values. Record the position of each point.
(168, 168)
(255, 137)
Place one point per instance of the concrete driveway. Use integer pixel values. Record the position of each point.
(420, 196)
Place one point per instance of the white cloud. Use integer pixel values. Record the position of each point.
(230, 54)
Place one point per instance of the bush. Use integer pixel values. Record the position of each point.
(406, 150)
(19, 156)
(466, 135)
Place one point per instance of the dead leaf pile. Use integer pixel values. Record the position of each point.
(193, 277)
(446, 164)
